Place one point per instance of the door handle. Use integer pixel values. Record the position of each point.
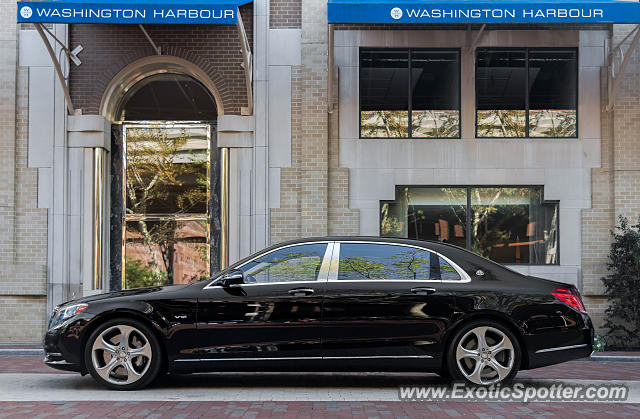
(423, 291)
(298, 292)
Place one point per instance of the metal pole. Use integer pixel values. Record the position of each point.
(56, 65)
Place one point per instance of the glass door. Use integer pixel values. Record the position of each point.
(166, 196)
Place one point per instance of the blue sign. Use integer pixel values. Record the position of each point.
(483, 11)
(205, 12)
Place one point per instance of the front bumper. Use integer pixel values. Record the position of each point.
(64, 346)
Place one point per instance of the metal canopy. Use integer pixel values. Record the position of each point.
(483, 11)
(200, 12)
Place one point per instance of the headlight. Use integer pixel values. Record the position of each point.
(60, 314)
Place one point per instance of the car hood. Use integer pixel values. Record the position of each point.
(126, 293)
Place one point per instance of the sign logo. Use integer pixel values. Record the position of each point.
(396, 13)
(26, 12)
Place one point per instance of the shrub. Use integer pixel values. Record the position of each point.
(622, 286)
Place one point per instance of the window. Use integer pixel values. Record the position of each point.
(510, 225)
(359, 261)
(526, 93)
(448, 272)
(409, 93)
(289, 264)
(166, 194)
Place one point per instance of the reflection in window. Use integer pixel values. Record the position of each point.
(389, 78)
(165, 252)
(447, 272)
(507, 225)
(382, 261)
(166, 200)
(294, 263)
(526, 93)
(437, 214)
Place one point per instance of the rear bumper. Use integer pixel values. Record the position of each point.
(561, 346)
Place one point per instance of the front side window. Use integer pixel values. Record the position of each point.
(370, 261)
(409, 93)
(512, 225)
(289, 264)
(527, 92)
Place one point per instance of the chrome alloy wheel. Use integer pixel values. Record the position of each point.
(485, 355)
(121, 354)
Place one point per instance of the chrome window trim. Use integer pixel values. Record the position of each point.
(335, 265)
(329, 244)
(561, 348)
(290, 358)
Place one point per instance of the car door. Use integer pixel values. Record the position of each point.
(385, 300)
(274, 313)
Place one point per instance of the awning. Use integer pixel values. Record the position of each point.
(484, 11)
(200, 12)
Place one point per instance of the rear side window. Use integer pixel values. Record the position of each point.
(447, 272)
(372, 261)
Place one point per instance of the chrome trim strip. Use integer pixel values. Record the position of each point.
(323, 274)
(561, 348)
(335, 263)
(291, 358)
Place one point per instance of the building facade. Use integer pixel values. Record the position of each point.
(188, 147)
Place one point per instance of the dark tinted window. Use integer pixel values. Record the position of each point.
(360, 261)
(409, 88)
(293, 263)
(448, 272)
(553, 83)
(526, 92)
(384, 93)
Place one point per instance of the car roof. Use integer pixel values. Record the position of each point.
(421, 243)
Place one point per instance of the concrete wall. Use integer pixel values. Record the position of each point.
(562, 166)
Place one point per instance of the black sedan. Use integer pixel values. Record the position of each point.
(329, 304)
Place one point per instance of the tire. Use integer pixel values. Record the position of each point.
(119, 365)
(495, 360)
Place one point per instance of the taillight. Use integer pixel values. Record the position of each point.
(570, 297)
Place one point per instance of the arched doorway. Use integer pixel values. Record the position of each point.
(169, 206)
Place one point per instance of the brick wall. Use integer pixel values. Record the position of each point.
(285, 14)
(109, 48)
(23, 227)
(616, 185)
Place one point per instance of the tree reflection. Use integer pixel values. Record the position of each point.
(166, 179)
(406, 265)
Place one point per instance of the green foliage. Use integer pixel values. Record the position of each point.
(138, 275)
(622, 286)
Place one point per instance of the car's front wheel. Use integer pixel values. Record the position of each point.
(484, 352)
(123, 354)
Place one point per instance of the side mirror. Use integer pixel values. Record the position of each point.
(232, 278)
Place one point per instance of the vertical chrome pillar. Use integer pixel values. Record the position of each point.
(98, 217)
(224, 207)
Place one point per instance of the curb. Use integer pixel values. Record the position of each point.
(617, 358)
(21, 352)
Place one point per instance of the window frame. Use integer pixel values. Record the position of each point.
(527, 109)
(409, 51)
(468, 221)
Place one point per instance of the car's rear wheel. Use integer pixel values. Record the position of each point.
(123, 354)
(484, 352)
